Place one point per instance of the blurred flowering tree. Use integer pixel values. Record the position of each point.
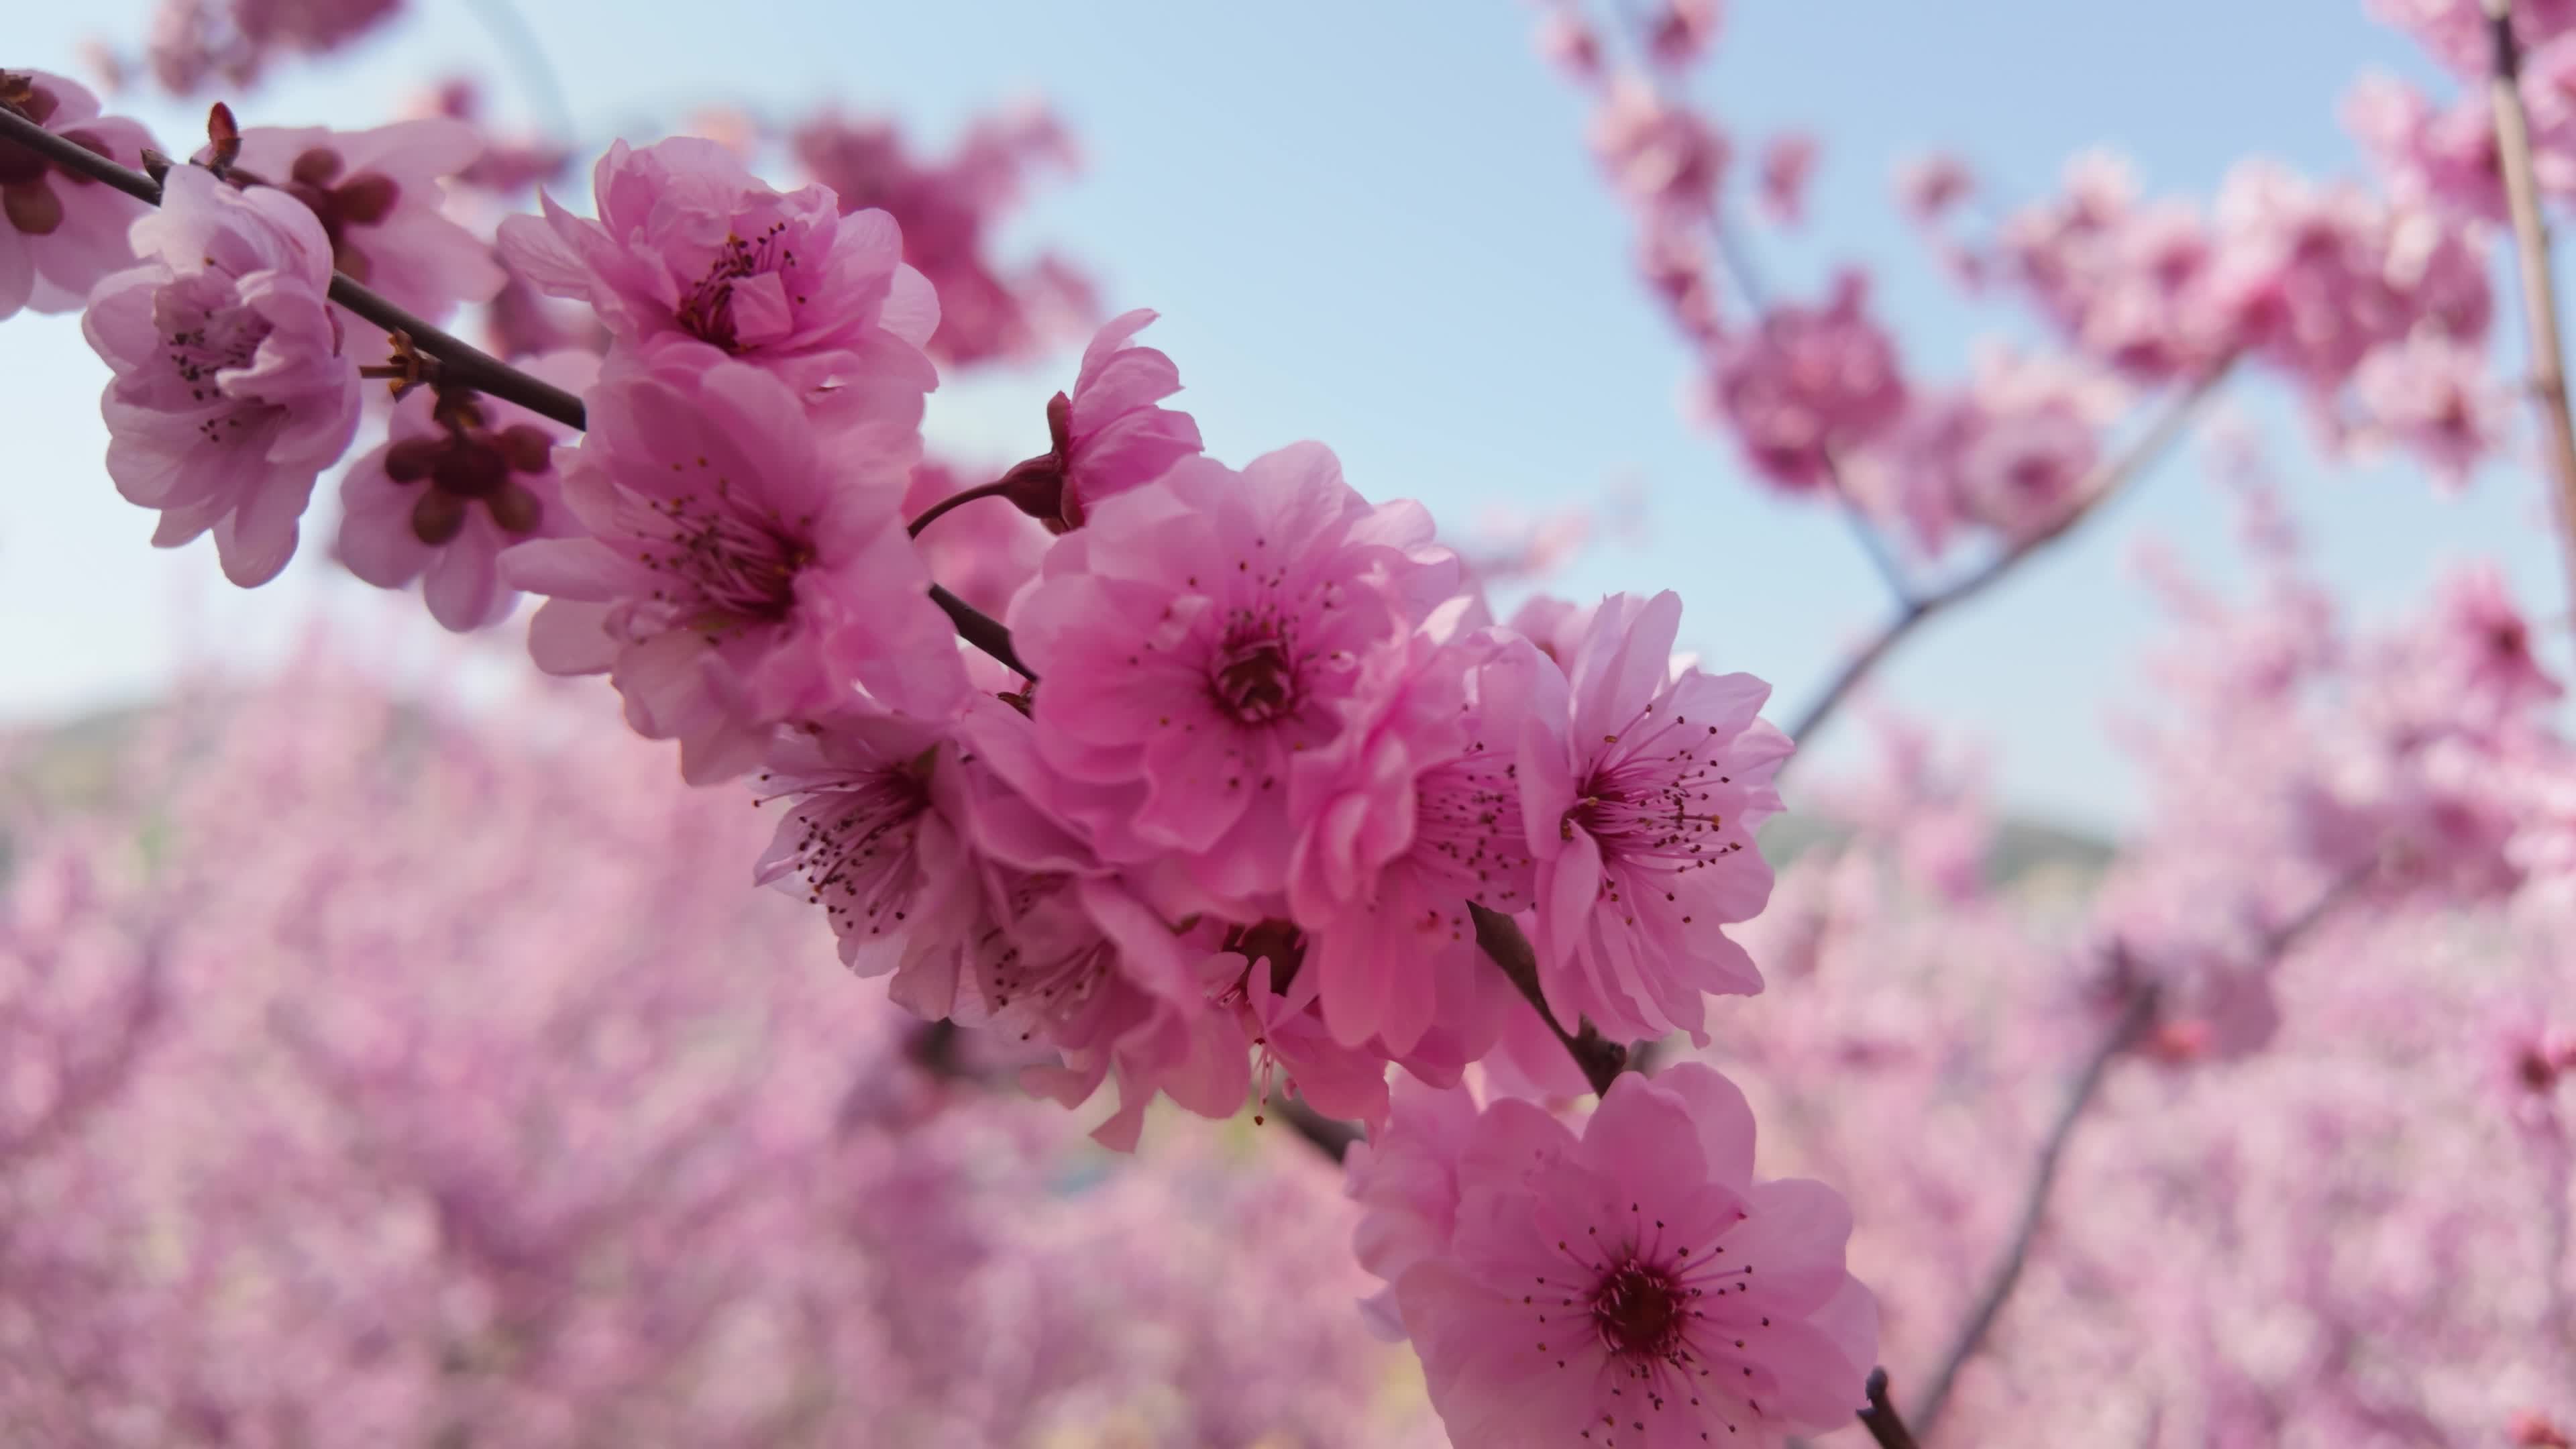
(378, 1072)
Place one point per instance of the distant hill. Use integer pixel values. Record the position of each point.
(2023, 848)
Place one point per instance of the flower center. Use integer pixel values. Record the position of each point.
(471, 462)
(741, 567)
(1641, 1312)
(1254, 679)
(707, 309)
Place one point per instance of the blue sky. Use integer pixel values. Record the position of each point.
(1376, 224)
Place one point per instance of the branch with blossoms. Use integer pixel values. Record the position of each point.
(1252, 810)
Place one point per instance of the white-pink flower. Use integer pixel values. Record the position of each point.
(60, 231)
(231, 391)
(379, 197)
(1630, 1286)
(1639, 799)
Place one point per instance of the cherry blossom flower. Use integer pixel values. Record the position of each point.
(1682, 31)
(377, 194)
(231, 392)
(1664, 157)
(948, 210)
(1807, 384)
(1200, 633)
(1788, 160)
(1111, 435)
(195, 41)
(742, 570)
(1634, 1283)
(1407, 818)
(461, 478)
(60, 231)
(690, 247)
(1639, 798)
(2439, 400)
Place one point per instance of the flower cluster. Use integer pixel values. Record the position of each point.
(1246, 797)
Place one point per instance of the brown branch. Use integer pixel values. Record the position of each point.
(2124, 1030)
(461, 363)
(2105, 483)
(1600, 1058)
(1881, 1418)
(2539, 288)
(2006, 1275)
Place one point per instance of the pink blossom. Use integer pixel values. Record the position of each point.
(1201, 632)
(1633, 1280)
(1807, 384)
(1111, 435)
(2315, 277)
(2482, 643)
(690, 247)
(194, 41)
(1407, 818)
(1788, 160)
(1681, 31)
(1665, 157)
(865, 838)
(948, 209)
(2448, 155)
(377, 194)
(1568, 41)
(743, 570)
(1930, 187)
(63, 231)
(1640, 801)
(2457, 33)
(462, 477)
(231, 393)
(2439, 400)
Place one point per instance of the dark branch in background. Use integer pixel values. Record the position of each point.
(2105, 483)
(2539, 290)
(2006, 1274)
(461, 364)
(1881, 1419)
(1600, 1058)
(2124, 1030)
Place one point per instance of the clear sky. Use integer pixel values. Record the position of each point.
(1376, 224)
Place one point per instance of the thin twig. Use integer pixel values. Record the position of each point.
(461, 363)
(938, 510)
(2106, 482)
(1881, 1418)
(2539, 288)
(2124, 1030)
(2006, 1274)
(1600, 1058)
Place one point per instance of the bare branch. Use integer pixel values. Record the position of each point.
(2106, 483)
(1881, 1418)
(2539, 288)
(1600, 1058)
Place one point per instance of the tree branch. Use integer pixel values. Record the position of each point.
(2539, 288)
(1881, 1418)
(2123, 1031)
(2006, 1276)
(2106, 482)
(460, 362)
(1600, 1058)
